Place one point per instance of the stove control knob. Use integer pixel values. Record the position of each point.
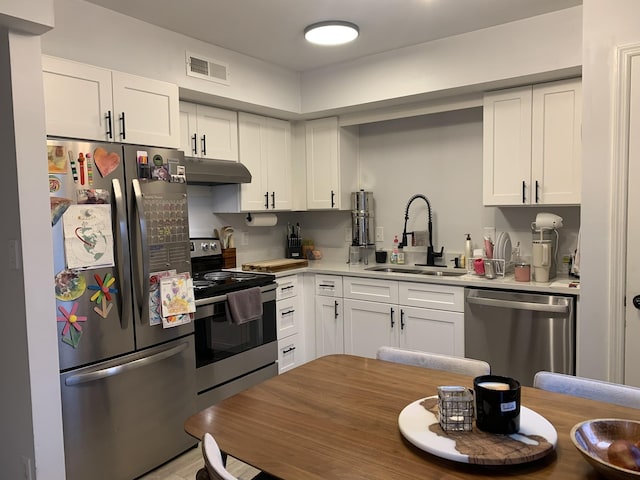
(205, 247)
(214, 246)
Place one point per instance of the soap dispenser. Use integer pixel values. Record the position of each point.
(394, 251)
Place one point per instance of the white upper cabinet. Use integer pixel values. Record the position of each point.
(265, 149)
(93, 103)
(208, 132)
(532, 145)
(331, 157)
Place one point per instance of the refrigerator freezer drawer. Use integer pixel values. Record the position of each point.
(124, 417)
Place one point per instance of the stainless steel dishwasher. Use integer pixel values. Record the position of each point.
(520, 333)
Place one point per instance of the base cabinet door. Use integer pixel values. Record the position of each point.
(368, 326)
(329, 326)
(435, 331)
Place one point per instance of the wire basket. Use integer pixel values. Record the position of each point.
(455, 408)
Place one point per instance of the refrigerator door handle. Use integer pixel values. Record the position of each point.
(143, 280)
(531, 306)
(123, 264)
(101, 373)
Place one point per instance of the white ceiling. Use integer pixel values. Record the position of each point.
(272, 30)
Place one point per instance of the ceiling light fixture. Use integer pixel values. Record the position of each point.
(331, 32)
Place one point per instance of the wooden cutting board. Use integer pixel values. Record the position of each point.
(277, 265)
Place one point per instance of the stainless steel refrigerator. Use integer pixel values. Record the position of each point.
(127, 361)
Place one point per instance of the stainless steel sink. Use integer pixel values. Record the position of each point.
(436, 272)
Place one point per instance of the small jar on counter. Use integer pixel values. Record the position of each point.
(522, 272)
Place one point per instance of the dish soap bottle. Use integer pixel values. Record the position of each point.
(468, 252)
(394, 251)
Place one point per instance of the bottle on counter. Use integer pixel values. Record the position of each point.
(394, 251)
(400, 256)
(468, 252)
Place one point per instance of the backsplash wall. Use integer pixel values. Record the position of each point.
(439, 156)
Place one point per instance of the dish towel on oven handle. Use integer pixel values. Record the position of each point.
(244, 305)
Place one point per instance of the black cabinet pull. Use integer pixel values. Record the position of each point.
(335, 309)
(393, 322)
(109, 125)
(524, 186)
(266, 201)
(636, 301)
(288, 312)
(401, 319)
(195, 144)
(123, 133)
(333, 203)
(273, 199)
(286, 288)
(290, 349)
(537, 192)
(204, 145)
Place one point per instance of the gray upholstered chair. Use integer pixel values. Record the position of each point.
(465, 366)
(587, 388)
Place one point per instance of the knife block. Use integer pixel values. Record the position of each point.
(229, 258)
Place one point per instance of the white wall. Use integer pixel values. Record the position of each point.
(606, 25)
(87, 33)
(471, 61)
(30, 411)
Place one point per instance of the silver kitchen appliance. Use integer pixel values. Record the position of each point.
(362, 226)
(519, 333)
(120, 225)
(230, 357)
(544, 231)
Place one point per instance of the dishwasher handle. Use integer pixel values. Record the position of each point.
(518, 305)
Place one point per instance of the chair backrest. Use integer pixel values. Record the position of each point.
(465, 366)
(213, 459)
(588, 388)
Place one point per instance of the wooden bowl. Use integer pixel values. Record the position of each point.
(593, 437)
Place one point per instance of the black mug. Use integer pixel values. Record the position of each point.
(497, 404)
(381, 256)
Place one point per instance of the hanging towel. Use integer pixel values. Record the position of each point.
(244, 305)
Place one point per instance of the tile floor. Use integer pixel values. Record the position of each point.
(187, 465)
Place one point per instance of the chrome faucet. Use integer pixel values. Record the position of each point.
(431, 255)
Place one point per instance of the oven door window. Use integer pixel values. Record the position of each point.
(217, 338)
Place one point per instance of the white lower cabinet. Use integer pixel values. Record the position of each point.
(403, 320)
(289, 320)
(329, 315)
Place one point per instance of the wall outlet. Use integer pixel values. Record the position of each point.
(244, 239)
(379, 234)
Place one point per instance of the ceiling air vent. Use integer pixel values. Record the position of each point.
(207, 68)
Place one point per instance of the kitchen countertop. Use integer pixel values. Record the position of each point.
(560, 284)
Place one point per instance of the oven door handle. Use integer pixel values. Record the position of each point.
(269, 290)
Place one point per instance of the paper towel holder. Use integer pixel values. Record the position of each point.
(249, 217)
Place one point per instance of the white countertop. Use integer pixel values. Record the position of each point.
(560, 284)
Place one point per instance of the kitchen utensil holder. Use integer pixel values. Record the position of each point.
(455, 409)
(294, 247)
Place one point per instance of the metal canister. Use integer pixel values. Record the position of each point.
(362, 219)
(489, 269)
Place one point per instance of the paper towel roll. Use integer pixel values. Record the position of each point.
(261, 220)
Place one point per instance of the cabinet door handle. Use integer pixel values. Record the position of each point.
(282, 289)
(537, 191)
(333, 203)
(204, 145)
(123, 133)
(109, 125)
(266, 201)
(335, 309)
(393, 322)
(290, 349)
(273, 199)
(288, 312)
(195, 144)
(401, 319)
(524, 187)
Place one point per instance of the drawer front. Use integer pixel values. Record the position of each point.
(431, 295)
(329, 285)
(289, 355)
(287, 287)
(370, 289)
(288, 315)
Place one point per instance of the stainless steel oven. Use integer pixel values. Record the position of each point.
(230, 357)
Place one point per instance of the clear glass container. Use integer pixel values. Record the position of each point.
(455, 408)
